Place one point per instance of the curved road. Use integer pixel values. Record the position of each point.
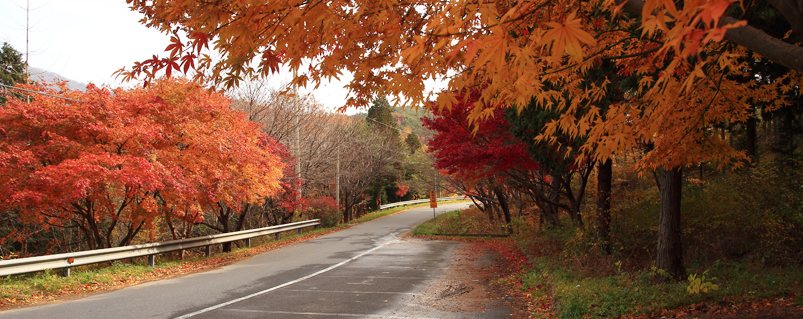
(365, 271)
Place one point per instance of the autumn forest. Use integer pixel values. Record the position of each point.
(620, 143)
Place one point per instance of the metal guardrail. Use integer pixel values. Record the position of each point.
(418, 201)
(67, 260)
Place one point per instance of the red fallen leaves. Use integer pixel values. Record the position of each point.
(513, 262)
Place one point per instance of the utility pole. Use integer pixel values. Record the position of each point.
(298, 141)
(337, 178)
(298, 134)
(435, 181)
(27, 36)
(27, 46)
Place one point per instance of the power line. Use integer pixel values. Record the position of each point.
(395, 128)
(40, 93)
(364, 143)
(358, 151)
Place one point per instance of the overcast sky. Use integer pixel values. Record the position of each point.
(88, 40)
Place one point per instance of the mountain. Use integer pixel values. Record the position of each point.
(40, 75)
(409, 120)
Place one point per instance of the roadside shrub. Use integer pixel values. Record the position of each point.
(324, 208)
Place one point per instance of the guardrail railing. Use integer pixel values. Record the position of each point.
(418, 201)
(67, 260)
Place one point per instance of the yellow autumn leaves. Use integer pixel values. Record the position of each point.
(567, 37)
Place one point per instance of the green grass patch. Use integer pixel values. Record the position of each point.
(394, 210)
(50, 284)
(741, 229)
(589, 285)
(468, 222)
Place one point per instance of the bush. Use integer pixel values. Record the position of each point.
(324, 208)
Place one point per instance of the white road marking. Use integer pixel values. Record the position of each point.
(353, 292)
(381, 277)
(323, 314)
(208, 309)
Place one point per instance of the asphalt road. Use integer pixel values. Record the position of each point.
(366, 271)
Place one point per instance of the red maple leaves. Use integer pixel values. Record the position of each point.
(473, 155)
(114, 164)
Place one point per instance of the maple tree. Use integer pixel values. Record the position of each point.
(111, 163)
(685, 56)
(484, 155)
(280, 207)
(561, 164)
(326, 209)
(513, 50)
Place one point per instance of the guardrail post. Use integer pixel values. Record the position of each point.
(151, 260)
(66, 272)
(208, 250)
(299, 231)
(248, 242)
(276, 236)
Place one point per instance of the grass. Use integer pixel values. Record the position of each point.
(470, 222)
(592, 285)
(22, 290)
(742, 229)
(571, 278)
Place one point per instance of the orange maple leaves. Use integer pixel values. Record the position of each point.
(566, 38)
(515, 50)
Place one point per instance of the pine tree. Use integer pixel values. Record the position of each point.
(12, 68)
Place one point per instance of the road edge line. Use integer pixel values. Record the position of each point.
(208, 309)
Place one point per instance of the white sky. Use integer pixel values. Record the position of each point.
(88, 40)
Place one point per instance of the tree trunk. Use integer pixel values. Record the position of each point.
(489, 209)
(751, 139)
(604, 177)
(548, 212)
(378, 194)
(670, 249)
(224, 221)
(500, 196)
(243, 216)
(346, 207)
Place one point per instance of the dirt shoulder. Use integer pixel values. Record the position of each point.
(479, 279)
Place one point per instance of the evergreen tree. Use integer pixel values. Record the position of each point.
(12, 68)
(413, 142)
(380, 120)
(380, 117)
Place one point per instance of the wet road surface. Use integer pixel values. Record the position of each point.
(366, 271)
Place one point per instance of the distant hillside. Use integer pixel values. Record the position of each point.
(40, 75)
(409, 120)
